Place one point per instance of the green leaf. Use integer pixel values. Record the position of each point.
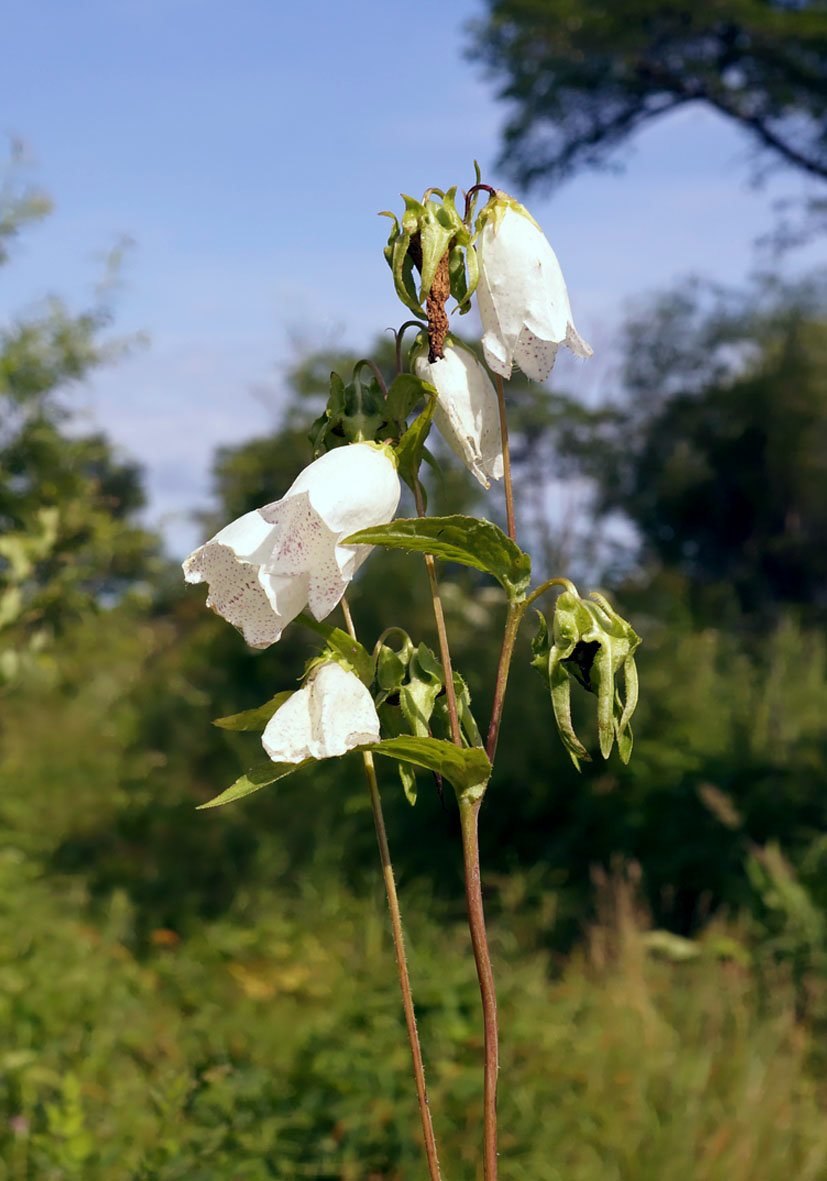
(466, 718)
(407, 778)
(418, 697)
(560, 686)
(404, 393)
(540, 647)
(467, 540)
(411, 447)
(256, 778)
(390, 669)
(254, 719)
(467, 769)
(344, 645)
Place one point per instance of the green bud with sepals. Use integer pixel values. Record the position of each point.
(428, 230)
(591, 643)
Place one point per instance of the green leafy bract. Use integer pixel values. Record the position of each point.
(591, 643)
(353, 655)
(467, 540)
(411, 447)
(467, 769)
(254, 719)
(257, 777)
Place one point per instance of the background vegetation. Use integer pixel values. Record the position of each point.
(212, 995)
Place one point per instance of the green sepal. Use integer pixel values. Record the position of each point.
(410, 450)
(467, 769)
(403, 394)
(560, 688)
(417, 697)
(591, 643)
(390, 670)
(393, 723)
(464, 271)
(350, 652)
(466, 718)
(467, 540)
(540, 647)
(257, 777)
(407, 777)
(254, 719)
(623, 732)
(355, 413)
(402, 266)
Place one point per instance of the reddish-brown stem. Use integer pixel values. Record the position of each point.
(399, 948)
(469, 813)
(476, 189)
(512, 625)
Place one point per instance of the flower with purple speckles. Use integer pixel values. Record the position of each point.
(329, 716)
(466, 411)
(522, 297)
(267, 566)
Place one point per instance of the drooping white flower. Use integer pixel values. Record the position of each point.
(330, 715)
(523, 302)
(265, 567)
(466, 413)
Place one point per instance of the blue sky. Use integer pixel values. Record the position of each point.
(246, 149)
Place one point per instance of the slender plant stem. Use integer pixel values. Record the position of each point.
(469, 814)
(441, 631)
(512, 626)
(377, 373)
(509, 491)
(547, 585)
(399, 948)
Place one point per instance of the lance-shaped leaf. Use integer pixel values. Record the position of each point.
(560, 688)
(257, 777)
(394, 724)
(557, 682)
(254, 719)
(403, 394)
(467, 540)
(467, 769)
(401, 264)
(411, 447)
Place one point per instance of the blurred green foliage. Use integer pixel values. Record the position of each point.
(212, 994)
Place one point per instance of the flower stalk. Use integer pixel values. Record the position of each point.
(399, 948)
(469, 818)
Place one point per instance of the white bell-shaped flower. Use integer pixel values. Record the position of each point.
(522, 297)
(466, 413)
(330, 715)
(267, 566)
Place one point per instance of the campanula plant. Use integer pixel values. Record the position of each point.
(293, 560)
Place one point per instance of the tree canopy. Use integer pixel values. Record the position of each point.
(583, 77)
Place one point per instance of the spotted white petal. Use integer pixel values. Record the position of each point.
(466, 413)
(330, 715)
(523, 302)
(267, 566)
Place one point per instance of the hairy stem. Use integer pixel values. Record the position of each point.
(399, 949)
(512, 626)
(566, 583)
(469, 814)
